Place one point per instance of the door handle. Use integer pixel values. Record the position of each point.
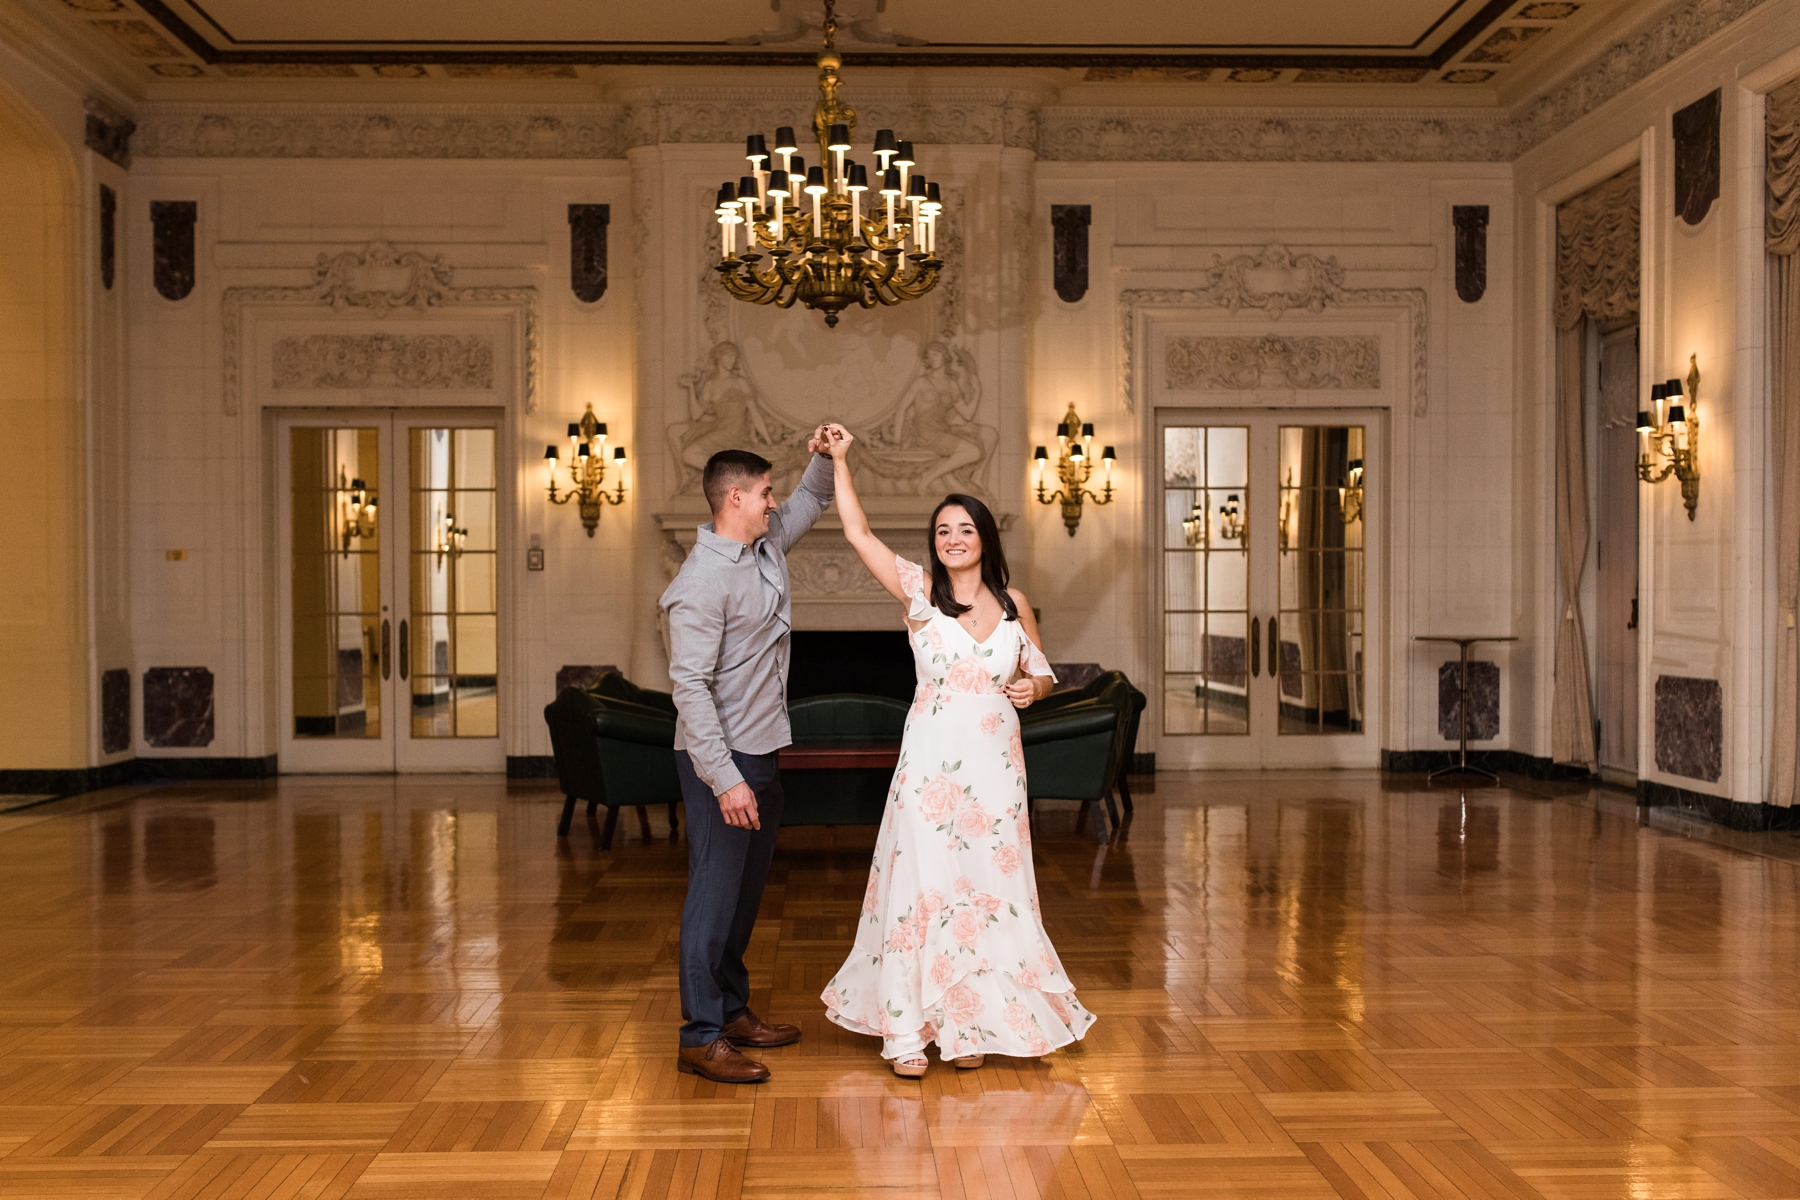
(1255, 647)
(1274, 647)
(387, 645)
(405, 652)
(1632, 624)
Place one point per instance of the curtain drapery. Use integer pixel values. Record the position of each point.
(1783, 243)
(1597, 277)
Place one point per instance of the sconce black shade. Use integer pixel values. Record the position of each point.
(172, 243)
(587, 250)
(1069, 249)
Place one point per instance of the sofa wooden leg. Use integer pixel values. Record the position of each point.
(643, 822)
(1125, 793)
(612, 823)
(1100, 831)
(568, 815)
(1112, 810)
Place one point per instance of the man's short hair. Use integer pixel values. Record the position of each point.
(728, 469)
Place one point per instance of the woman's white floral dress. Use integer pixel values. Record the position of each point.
(951, 945)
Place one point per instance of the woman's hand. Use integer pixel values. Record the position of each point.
(1023, 692)
(838, 440)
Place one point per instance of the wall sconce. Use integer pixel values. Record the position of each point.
(450, 541)
(587, 470)
(1671, 431)
(1074, 467)
(1194, 528)
(359, 511)
(1232, 527)
(1350, 493)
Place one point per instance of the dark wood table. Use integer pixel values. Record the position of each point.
(840, 757)
(1462, 765)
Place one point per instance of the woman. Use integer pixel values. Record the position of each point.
(950, 946)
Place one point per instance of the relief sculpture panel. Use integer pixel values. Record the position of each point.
(903, 379)
(340, 360)
(1272, 361)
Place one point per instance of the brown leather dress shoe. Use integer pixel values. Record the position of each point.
(720, 1062)
(749, 1030)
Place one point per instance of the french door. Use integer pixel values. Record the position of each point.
(390, 617)
(1267, 554)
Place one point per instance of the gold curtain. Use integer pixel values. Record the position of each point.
(1782, 229)
(1596, 276)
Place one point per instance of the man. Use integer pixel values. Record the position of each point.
(729, 614)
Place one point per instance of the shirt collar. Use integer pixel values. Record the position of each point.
(729, 548)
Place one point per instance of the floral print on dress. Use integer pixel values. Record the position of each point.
(951, 945)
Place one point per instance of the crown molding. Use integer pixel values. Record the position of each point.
(504, 131)
(1132, 134)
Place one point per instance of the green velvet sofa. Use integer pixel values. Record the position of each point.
(614, 746)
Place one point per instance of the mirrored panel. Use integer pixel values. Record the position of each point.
(1320, 535)
(335, 563)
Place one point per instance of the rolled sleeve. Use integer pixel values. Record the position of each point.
(696, 633)
(808, 503)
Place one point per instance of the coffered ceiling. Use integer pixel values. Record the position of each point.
(1230, 42)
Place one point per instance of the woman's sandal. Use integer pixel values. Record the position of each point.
(913, 1066)
(969, 1063)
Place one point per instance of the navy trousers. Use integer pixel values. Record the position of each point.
(727, 868)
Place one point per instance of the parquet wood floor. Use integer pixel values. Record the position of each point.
(1307, 985)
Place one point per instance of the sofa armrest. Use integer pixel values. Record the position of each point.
(635, 724)
(1075, 720)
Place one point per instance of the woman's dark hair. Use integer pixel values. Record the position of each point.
(994, 574)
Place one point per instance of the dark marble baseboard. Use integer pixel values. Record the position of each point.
(74, 781)
(1513, 762)
(1720, 810)
(1143, 764)
(530, 766)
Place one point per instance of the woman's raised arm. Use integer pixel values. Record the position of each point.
(874, 553)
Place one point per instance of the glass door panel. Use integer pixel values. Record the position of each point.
(454, 614)
(335, 481)
(1264, 597)
(1206, 568)
(1320, 669)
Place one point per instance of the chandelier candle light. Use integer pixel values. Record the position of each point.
(1074, 467)
(587, 469)
(1671, 430)
(833, 234)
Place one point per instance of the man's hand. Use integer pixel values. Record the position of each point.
(738, 807)
(839, 440)
(820, 443)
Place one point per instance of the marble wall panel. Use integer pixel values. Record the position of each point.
(1484, 701)
(583, 677)
(178, 706)
(115, 710)
(1690, 727)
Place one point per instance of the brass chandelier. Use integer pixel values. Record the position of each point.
(804, 231)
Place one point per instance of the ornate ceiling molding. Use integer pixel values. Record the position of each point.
(935, 116)
(1274, 135)
(1622, 65)
(389, 131)
(353, 279)
(1273, 282)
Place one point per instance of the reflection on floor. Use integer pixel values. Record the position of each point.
(1308, 985)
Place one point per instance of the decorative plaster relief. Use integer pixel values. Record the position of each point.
(1272, 282)
(397, 131)
(1246, 363)
(448, 361)
(380, 278)
(907, 385)
(937, 116)
(1236, 135)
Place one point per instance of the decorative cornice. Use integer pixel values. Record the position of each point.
(934, 116)
(1274, 135)
(1300, 281)
(1623, 65)
(367, 131)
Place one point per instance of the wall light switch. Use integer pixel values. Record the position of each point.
(534, 559)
